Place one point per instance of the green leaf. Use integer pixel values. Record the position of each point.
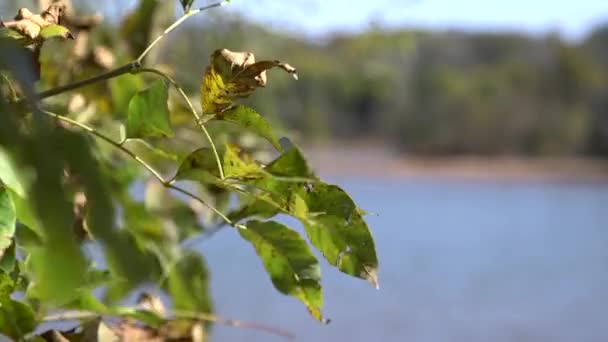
(335, 227)
(186, 4)
(145, 316)
(55, 31)
(290, 164)
(149, 113)
(292, 267)
(8, 261)
(188, 284)
(123, 89)
(9, 175)
(8, 220)
(199, 165)
(7, 286)
(332, 220)
(250, 119)
(6, 33)
(257, 208)
(16, 319)
(126, 259)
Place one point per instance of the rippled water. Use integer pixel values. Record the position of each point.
(460, 261)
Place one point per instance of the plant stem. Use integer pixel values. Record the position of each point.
(135, 157)
(125, 69)
(205, 317)
(131, 67)
(176, 24)
(197, 117)
(191, 195)
(201, 317)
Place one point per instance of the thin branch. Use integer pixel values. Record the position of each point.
(130, 153)
(110, 141)
(197, 117)
(205, 317)
(176, 24)
(202, 317)
(125, 69)
(131, 67)
(193, 196)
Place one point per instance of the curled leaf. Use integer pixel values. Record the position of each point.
(231, 75)
(55, 31)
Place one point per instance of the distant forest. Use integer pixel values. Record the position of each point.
(428, 93)
(421, 92)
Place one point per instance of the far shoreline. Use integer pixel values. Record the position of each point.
(377, 161)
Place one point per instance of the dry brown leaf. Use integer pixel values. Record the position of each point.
(29, 24)
(231, 75)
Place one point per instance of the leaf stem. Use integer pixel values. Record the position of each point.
(125, 69)
(135, 157)
(205, 317)
(132, 66)
(176, 24)
(197, 116)
(202, 317)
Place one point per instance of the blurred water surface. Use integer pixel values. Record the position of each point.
(460, 261)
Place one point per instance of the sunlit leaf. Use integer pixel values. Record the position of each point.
(237, 166)
(123, 89)
(8, 220)
(188, 284)
(336, 228)
(231, 75)
(293, 268)
(9, 175)
(332, 220)
(16, 318)
(250, 119)
(55, 31)
(149, 113)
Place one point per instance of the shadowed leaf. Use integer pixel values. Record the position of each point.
(249, 119)
(186, 4)
(199, 165)
(16, 318)
(188, 284)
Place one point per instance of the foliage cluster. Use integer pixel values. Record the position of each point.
(75, 159)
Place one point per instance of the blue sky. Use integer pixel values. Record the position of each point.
(571, 18)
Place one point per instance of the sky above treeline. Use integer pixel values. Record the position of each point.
(573, 19)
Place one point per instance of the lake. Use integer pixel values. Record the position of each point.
(459, 261)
